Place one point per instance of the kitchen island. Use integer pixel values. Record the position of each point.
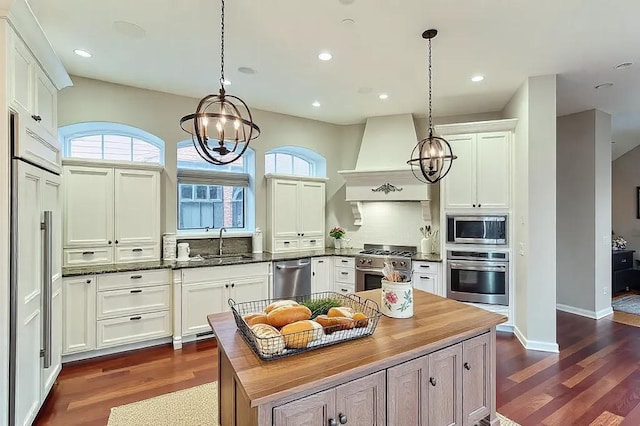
(436, 368)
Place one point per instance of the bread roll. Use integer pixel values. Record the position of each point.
(279, 317)
(279, 304)
(254, 318)
(342, 311)
(299, 334)
(269, 341)
(333, 324)
(360, 319)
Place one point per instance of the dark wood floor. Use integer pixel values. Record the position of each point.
(595, 380)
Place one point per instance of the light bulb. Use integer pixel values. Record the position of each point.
(223, 120)
(219, 126)
(236, 124)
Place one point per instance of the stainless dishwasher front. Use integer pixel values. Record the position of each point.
(291, 278)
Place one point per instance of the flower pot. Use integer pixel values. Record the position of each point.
(397, 299)
(336, 243)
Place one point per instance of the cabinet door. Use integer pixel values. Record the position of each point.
(407, 393)
(49, 375)
(312, 207)
(315, 410)
(79, 318)
(88, 206)
(285, 209)
(22, 67)
(476, 380)
(425, 282)
(248, 289)
(137, 206)
(200, 300)
(363, 402)
(493, 170)
(460, 183)
(445, 386)
(321, 274)
(46, 102)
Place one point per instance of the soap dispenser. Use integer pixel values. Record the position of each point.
(256, 241)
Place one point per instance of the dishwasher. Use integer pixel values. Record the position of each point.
(291, 278)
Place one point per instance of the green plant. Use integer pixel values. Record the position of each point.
(321, 306)
(337, 232)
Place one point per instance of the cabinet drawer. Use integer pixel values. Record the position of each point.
(425, 282)
(426, 267)
(117, 303)
(345, 288)
(134, 328)
(312, 243)
(345, 275)
(285, 244)
(133, 279)
(88, 256)
(622, 261)
(346, 261)
(137, 253)
(219, 273)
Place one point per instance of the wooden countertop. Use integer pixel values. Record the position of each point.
(437, 322)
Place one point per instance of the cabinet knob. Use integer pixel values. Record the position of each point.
(332, 422)
(342, 418)
(432, 380)
(467, 366)
(36, 118)
(474, 205)
(116, 241)
(233, 284)
(479, 205)
(88, 281)
(109, 241)
(226, 285)
(302, 235)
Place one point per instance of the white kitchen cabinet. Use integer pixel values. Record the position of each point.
(112, 214)
(200, 300)
(247, 289)
(322, 274)
(46, 103)
(344, 275)
(79, 314)
(295, 213)
(427, 277)
(49, 375)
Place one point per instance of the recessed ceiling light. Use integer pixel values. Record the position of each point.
(613, 141)
(383, 96)
(477, 78)
(604, 86)
(82, 53)
(348, 22)
(325, 56)
(246, 70)
(316, 104)
(623, 65)
(226, 82)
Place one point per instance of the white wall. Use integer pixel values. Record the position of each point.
(625, 179)
(603, 213)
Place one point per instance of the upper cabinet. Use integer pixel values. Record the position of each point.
(480, 178)
(295, 213)
(111, 214)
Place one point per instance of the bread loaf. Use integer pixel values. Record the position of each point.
(333, 324)
(299, 334)
(269, 341)
(342, 311)
(254, 318)
(360, 319)
(279, 304)
(279, 317)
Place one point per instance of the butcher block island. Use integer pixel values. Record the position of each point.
(436, 368)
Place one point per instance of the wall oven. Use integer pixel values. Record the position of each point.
(481, 277)
(473, 229)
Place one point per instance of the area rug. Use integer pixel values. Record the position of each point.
(629, 304)
(196, 406)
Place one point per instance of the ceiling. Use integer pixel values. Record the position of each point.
(381, 51)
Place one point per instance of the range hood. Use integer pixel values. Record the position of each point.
(382, 172)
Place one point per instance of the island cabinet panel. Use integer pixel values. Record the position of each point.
(476, 380)
(362, 402)
(314, 410)
(407, 392)
(445, 387)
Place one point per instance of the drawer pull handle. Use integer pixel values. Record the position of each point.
(88, 253)
(88, 281)
(432, 380)
(623, 261)
(136, 277)
(320, 261)
(136, 291)
(344, 261)
(37, 118)
(287, 242)
(425, 278)
(333, 422)
(344, 273)
(135, 318)
(342, 418)
(312, 241)
(424, 266)
(344, 290)
(137, 250)
(467, 366)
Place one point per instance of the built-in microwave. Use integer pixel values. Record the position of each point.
(475, 229)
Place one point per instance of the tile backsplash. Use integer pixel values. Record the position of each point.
(204, 246)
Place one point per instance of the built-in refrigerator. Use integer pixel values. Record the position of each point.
(36, 280)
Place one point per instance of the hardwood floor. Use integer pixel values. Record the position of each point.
(595, 380)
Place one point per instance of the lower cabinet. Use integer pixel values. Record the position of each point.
(361, 402)
(79, 314)
(321, 274)
(427, 277)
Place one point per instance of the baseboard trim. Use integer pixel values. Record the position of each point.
(533, 345)
(585, 312)
(505, 327)
(114, 350)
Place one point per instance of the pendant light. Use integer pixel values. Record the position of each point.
(222, 126)
(432, 157)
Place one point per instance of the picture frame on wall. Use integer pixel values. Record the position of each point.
(638, 202)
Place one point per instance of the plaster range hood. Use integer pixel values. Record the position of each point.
(382, 172)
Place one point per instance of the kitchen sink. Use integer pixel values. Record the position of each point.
(227, 258)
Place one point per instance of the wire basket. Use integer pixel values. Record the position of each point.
(270, 348)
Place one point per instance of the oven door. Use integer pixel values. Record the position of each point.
(480, 230)
(368, 279)
(480, 282)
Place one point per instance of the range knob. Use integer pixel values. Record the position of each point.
(393, 263)
(369, 261)
(361, 260)
(403, 263)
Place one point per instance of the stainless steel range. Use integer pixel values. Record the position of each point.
(370, 261)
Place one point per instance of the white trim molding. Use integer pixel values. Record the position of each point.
(585, 312)
(533, 345)
(477, 127)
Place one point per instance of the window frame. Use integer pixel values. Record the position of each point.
(317, 163)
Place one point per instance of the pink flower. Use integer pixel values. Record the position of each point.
(391, 297)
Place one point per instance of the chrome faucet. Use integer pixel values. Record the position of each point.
(220, 240)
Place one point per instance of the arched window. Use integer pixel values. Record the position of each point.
(211, 197)
(110, 141)
(295, 160)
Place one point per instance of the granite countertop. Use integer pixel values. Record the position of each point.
(231, 259)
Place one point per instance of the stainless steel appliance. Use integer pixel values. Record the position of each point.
(478, 276)
(291, 278)
(370, 261)
(474, 229)
(35, 299)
